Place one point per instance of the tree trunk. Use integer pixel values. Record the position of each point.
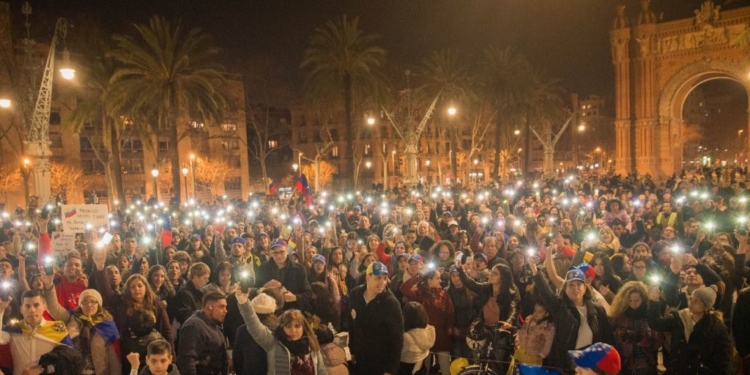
(498, 149)
(527, 154)
(174, 141)
(117, 168)
(348, 108)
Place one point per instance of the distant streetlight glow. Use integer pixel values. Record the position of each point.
(452, 111)
(581, 127)
(155, 172)
(517, 132)
(368, 164)
(371, 121)
(4, 103)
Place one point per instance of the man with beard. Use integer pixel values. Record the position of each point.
(202, 348)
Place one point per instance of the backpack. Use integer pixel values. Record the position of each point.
(62, 360)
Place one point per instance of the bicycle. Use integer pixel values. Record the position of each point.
(492, 348)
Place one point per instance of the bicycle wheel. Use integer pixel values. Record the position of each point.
(476, 370)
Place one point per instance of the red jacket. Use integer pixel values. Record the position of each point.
(439, 308)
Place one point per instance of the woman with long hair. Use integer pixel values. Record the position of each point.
(139, 316)
(419, 337)
(291, 348)
(466, 311)
(221, 279)
(91, 328)
(605, 281)
(634, 340)
(157, 280)
(439, 306)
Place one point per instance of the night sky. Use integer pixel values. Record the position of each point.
(567, 38)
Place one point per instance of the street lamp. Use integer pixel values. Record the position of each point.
(299, 162)
(5, 103)
(155, 174)
(26, 173)
(192, 173)
(452, 111)
(370, 121)
(429, 177)
(295, 166)
(517, 132)
(368, 164)
(185, 171)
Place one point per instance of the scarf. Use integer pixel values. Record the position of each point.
(298, 348)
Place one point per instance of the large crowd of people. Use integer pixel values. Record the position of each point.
(609, 274)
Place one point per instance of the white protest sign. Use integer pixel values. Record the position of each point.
(62, 243)
(76, 216)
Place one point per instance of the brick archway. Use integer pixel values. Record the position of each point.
(676, 91)
(657, 65)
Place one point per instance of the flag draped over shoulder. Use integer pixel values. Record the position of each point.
(304, 188)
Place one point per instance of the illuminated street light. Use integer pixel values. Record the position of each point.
(295, 166)
(476, 161)
(368, 164)
(4, 103)
(155, 174)
(67, 71)
(452, 111)
(581, 127)
(517, 132)
(370, 121)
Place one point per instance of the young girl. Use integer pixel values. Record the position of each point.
(534, 338)
(418, 339)
(291, 348)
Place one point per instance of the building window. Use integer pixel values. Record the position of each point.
(335, 135)
(229, 127)
(85, 144)
(233, 183)
(163, 145)
(233, 161)
(92, 166)
(131, 145)
(273, 144)
(55, 140)
(367, 150)
(132, 165)
(54, 118)
(303, 136)
(335, 151)
(231, 144)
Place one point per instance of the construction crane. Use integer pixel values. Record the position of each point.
(37, 133)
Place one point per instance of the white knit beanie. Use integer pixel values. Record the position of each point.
(263, 304)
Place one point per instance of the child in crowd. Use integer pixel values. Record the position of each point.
(158, 360)
(534, 338)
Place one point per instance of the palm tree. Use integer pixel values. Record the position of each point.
(447, 74)
(91, 119)
(344, 64)
(168, 73)
(505, 83)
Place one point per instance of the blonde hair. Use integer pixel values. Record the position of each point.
(621, 303)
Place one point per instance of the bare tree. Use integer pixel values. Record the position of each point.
(68, 179)
(321, 151)
(265, 129)
(483, 119)
(211, 173)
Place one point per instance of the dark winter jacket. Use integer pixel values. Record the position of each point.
(202, 349)
(740, 325)
(376, 334)
(293, 277)
(508, 302)
(567, 320)
(705, 352)
(187, 301)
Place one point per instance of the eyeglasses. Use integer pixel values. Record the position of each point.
(89, 302)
